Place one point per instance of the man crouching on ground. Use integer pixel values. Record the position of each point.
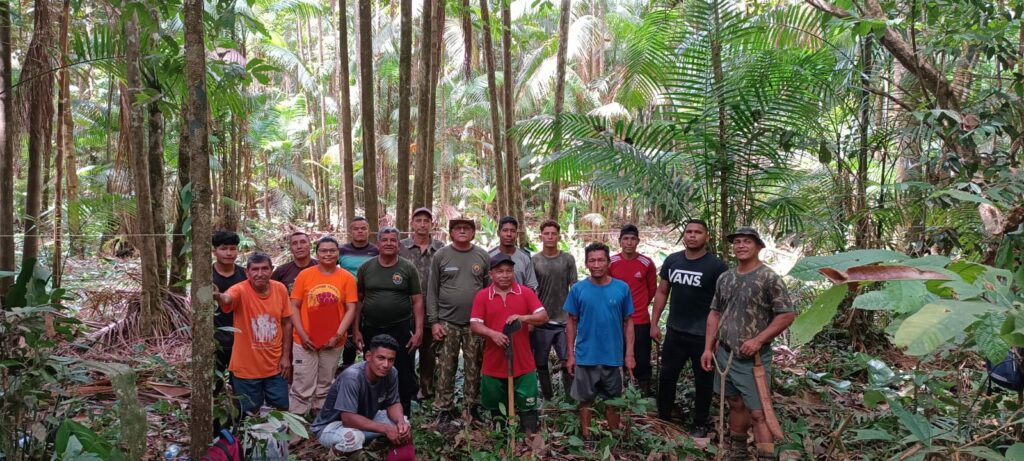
(363, 402)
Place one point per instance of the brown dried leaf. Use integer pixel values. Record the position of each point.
(879, 273)
(169, 390)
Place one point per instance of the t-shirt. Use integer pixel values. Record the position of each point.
(323, 299)
(642, 277)
(387, 292)
(350, 257)
(421, 259)
(490, 309)
(748, 303)
(455, 277)
(523, 267)
(601, 311)
(554, 277)
(223, 319)
(352, 392)
(691, 288)
(287, 272)
(259, 336)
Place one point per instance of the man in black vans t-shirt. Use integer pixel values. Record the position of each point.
(690, 275)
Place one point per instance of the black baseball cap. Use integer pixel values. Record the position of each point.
(500, 259)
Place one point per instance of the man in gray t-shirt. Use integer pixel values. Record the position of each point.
(508, 233)
(363, 402)
(556, 272)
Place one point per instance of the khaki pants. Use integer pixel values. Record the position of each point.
(312, 375)
(458, 338)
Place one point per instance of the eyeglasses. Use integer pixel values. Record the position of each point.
(327, 250)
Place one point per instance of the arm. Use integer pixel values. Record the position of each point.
(531, 276)
(346, 323)
(417, 315)
(285, 367)
(570, 343)
(627, 329)
(708, 357)
(537, 318)
(402, 427)
(297, 325)
(357, 334)
(660, 299)
(362, 423)
(478, 328)
(775, 328)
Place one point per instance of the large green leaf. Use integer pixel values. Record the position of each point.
(991, 343)
(938, 323)
(1015, 452)
(917, 424)
(807, 268)
(810, 322)
(898, 296)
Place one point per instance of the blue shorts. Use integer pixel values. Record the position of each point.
(252, 393)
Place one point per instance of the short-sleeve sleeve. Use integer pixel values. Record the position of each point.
(235, 292)
(532, 301)
(627, 306)
(716, 301)
(299, 287)
(780, 301)
(663, 273)
(348, 394)
(573, 274)
(286, 310)
(571, 306)
(392, 397)
(652, 279)
(349, 287)
(361, 284)
(479, 310)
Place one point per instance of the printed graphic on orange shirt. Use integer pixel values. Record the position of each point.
(264, 332)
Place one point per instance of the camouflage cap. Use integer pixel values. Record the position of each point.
(747, 231)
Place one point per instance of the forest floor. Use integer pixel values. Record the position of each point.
(821, 394)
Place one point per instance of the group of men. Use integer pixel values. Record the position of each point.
(502, 312)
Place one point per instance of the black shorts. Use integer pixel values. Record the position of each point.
(591, 381)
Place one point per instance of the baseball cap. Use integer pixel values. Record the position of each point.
(500, 258)
(746, 231)
(423, 210)
(461, 220)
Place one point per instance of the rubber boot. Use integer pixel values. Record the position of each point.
(529, 421)
(738, 448)
(567, 385)
(766, 452)
(544, 376)
(645, 387)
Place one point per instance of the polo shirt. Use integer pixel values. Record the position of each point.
(492, 310)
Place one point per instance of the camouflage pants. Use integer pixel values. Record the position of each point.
(458, 338)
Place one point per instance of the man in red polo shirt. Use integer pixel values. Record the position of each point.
(640, 273)
(500, 304)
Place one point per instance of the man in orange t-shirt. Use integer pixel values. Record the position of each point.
(323, 300)
(262, 315)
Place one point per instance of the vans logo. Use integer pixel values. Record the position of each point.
(685, 277)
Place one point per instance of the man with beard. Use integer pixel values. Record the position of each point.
(420, 249)
(690, 277)
(299, 245)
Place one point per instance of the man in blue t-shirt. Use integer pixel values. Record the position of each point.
(600, 326)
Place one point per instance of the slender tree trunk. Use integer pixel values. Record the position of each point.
(721, 151)
(156, 184)
(863, 228)
(179, 258)
(419, 192)
(70, 162)
(325, 182)
(63, 136)
(7, 136)
(565, 11)
(152, 315)
(346, 114)
(366, 111)
(38, 83)
(435, 73)
(201, 418)
(467, 40)
(492, 94)
(404, 125)
(514, 188)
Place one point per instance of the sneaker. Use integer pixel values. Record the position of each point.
(699, 431)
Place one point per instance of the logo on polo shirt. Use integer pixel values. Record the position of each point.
(477, 270)
(396, 279)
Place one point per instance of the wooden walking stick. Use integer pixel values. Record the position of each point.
(508, 330)
(765, 394)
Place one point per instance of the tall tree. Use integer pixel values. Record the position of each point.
(513, 188)
(201, 417)
(179, 259)
(152, 315)
(345, 127)
(6, 149)
(63, 138)
(404, 94)
(436, 65)
(419, 194)
(554, 199)
(37, 79)
(155, 157)
(492, 94)
(366, 112)
(467, 40)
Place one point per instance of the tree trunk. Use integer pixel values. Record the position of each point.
(38, 83)
(863, 227)
(7, 136)
(151, 313)
(345, 127)
(404, 125)
(63, 107)
(156, 184)
(70, 163)
(492, 94)
(201, 418)
(467, 40)
(325, 182)
(513, 175)
(423, 112)
(435, 73)
(721, 152)
(179, 259)
(366, 111)
(565, 11)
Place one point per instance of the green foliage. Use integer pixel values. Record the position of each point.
(811, 321)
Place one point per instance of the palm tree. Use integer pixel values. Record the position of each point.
(404, 94)
(563, 41)
(345, 127)
(6, 149)
(38, 85)
(496, 131)
(366, 82)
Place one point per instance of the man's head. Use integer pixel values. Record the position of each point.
(359, 231)
(550, 234)
(508, 230)
(258, 269)
(225, 247)
(597, 259)
(387, 241)
(380, 356)
(695, 235)
(299, 245)
(422, 221)
(746, 243)
(327, 251)
(462, 230)
(629, 238)
(502, 271)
